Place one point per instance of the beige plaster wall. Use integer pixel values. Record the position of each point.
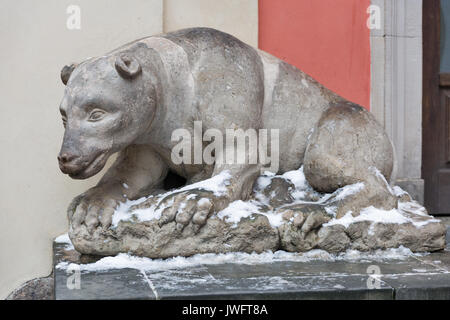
(237, 17)
(35, 44)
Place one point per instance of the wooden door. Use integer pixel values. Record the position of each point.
(436, 105)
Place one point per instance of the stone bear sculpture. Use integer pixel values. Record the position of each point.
(132, 99)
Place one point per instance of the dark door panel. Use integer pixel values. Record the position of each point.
(436, 105)
(443, 187)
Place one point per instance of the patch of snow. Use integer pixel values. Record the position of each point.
(415, 208)
(275, 219)
(398, 191)
(349, 190)
(376, 215)
(400, 253)
(203, 201)
(338, 286)
(382, 178)
(262, 182)
(297, 194)
(122, 212)
(269, 173)
(271, 283)
(216, 184)
(371, 214)
(239, 209)
(297, 177)
(331, 211)
(124, 260)
(64, 238)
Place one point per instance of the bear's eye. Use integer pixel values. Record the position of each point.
(96, 115)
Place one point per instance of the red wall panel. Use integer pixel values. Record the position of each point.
(328, 39)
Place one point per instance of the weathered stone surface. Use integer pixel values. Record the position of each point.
(252, 226)
(278, 191)
(333, 239)
(253, 234)
(368, 235)
(36, 289)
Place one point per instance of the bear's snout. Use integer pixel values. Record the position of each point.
(65, 157)
(67, 162)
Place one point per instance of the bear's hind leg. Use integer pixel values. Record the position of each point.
(348, 148)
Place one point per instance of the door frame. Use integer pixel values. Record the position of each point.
(396, 86)
(432, 111)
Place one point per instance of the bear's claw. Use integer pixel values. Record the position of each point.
(187, 206)
(93, 210)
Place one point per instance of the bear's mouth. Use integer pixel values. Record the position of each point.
(95, 166)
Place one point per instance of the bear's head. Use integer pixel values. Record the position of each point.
(108, 105)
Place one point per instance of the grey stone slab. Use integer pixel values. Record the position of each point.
(63, 252)
(440, 260)
(285, 280)
(414, 186)
(112, 284)
(105, 285)
(445, 220)
(419, 277)
(266, 281)
(318, 268)
(429, 280)
(424, 287)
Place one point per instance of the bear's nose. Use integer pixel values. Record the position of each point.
(65, 158)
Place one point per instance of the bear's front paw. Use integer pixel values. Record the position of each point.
(307, 217)
(184, 207)
(94, 208)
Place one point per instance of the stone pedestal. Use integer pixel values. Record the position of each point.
(394, 274)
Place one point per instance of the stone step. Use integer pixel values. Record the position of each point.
(412, 277)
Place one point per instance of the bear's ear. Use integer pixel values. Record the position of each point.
(127, 66)
(66, 72)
